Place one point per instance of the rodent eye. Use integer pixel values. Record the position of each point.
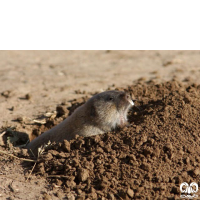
(110, 98)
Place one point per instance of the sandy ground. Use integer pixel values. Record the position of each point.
(50, 77)
(35, 82)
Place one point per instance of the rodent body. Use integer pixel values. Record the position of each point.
(100, 114)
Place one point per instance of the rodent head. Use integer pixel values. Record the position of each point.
(109, 109)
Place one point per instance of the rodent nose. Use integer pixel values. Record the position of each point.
(129, 98)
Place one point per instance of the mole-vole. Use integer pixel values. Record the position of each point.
(101, 113)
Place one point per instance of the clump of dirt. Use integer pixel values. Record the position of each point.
(148, 159)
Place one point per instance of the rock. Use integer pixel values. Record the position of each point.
(47, 157)
(61, 110)
(196, 171)
(66, 145)
(83, 175)
(70, 184)
(47, 196)
(28, 96)
(130, 193)
(111, 196)
(71, 197)
(146, 167)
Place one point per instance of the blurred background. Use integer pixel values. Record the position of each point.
(34, 82)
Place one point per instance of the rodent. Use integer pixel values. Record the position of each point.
(101, 113)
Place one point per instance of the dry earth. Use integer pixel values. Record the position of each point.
(147, 160)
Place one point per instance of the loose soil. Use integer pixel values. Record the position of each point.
(148, 159)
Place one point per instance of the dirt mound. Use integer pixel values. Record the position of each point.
(149, 159)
